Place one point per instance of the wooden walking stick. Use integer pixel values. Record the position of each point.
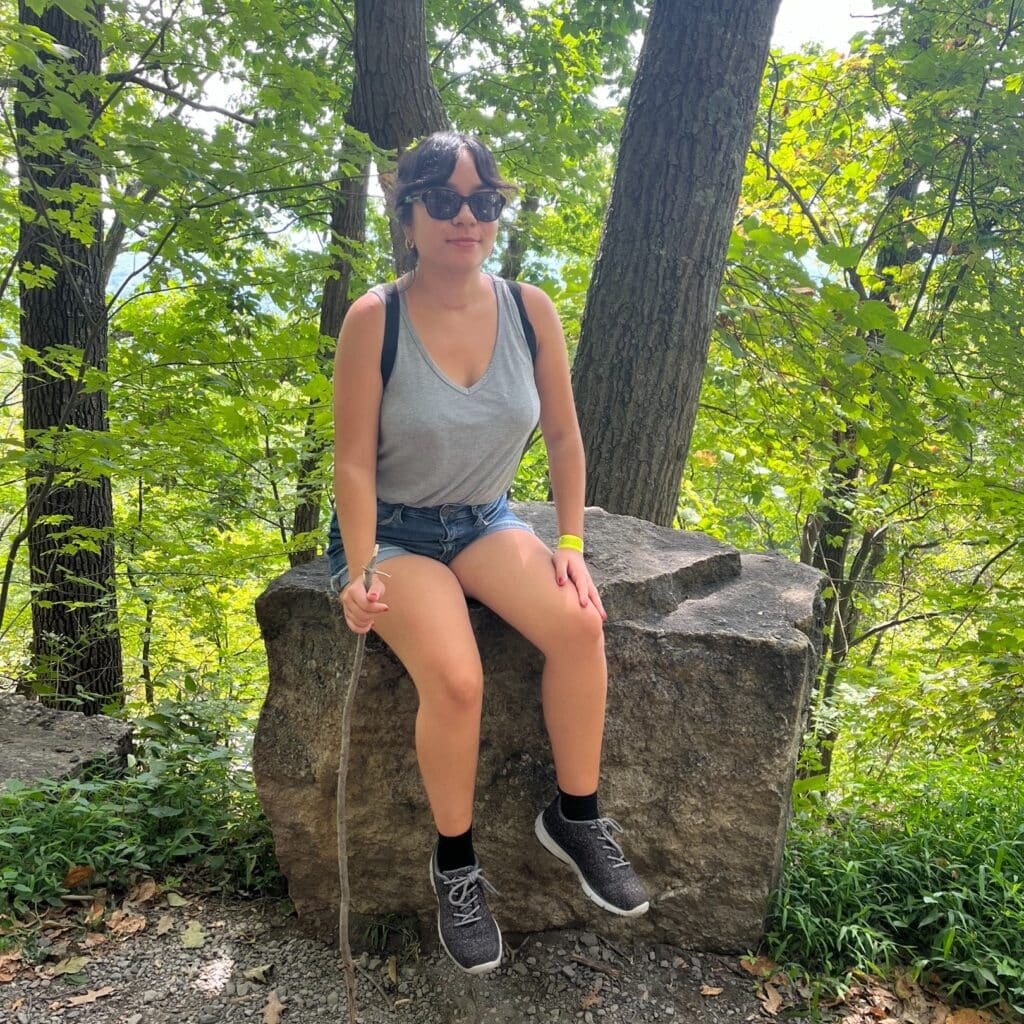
(346, 725)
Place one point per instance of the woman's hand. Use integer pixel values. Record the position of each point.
(360, 607)
(570, 569)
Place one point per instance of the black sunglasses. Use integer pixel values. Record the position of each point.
(444, 203)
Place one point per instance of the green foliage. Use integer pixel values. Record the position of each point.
(862, 376)
(187, 803)
(531, 482)
(927, 870)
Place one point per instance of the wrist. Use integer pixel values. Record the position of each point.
(570, 542)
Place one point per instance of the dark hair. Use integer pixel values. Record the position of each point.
(431, 163)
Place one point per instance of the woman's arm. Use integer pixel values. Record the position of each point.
(561, 430)
(357, 397)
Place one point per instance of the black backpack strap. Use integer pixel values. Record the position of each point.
(392, 313)
(531, 334)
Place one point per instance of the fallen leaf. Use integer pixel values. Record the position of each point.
(123, 922)
(881, 996)
(77, 875)
(770, 998)
(393, 969)
(17, 1004)
(710, 990)
(72, 965)
(273, 1010)
(759, 967)
(146, 890)
(592, 999)
(165, 924)
(904, 987)
(7, 966)
(965, 1016)
(193, 937)
(91, 996)
(260, 974)
(94, 939)
(94, 914)
(175, 900)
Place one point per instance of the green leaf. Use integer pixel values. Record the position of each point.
(873, 315)
(908, 344)
(840, 256)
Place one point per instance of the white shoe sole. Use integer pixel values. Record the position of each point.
(552, 847)
(484, 968)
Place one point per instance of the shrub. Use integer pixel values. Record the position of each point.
(928, 872)
(188, 802)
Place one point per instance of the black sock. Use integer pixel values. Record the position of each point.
(578, 808)
(455, 851)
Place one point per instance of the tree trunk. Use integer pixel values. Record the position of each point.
(651, 303)
(76, 648)
(516, 243)
(394, 99)
(348, 223)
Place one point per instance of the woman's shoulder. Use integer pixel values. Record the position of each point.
(538, 304)
(365, 317)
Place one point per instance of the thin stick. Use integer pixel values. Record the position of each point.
(594, 965)
(346, 727)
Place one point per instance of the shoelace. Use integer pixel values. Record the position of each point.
(604, 828)
(465, 893)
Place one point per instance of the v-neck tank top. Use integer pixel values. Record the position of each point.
(440, 443)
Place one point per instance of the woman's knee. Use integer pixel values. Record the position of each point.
(455, 688)
(577, 631)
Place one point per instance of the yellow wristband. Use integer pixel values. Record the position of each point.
(571, 541)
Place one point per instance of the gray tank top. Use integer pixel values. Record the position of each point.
(440, 443)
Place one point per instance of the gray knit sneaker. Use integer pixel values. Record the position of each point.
(468, 932)
(589, 848)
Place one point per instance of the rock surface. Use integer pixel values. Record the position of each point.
(711, 656)
(39, 743)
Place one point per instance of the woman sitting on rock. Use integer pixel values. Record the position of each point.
(422, 466)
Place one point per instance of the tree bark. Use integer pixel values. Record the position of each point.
(394, 99)
(516, 243)
(347, 225)
(651, 303)
(76, 647)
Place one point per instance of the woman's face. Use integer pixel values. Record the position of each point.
(462, 242)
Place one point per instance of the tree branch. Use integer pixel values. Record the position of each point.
(134, 79)
(892, 624)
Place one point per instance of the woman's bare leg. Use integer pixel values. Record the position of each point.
(427, 626)
(511, 572)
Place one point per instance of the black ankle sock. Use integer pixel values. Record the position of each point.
(578, 808)
(455, 851)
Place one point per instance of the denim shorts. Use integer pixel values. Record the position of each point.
(439, 531)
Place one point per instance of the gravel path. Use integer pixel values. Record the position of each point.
(249, 962)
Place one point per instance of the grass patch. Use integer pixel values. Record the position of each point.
(926, 871)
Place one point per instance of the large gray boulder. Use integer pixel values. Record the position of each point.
(711, 656)
(37, 742)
